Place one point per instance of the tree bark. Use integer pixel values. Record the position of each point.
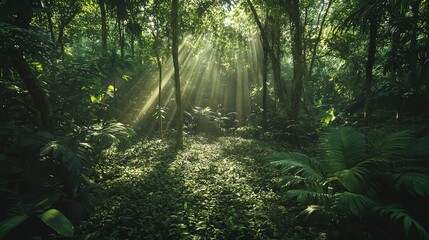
(274, 53)
(264, 90)
(102, 6)
(121, 34)
(298, 60)
(175, 48)
(35, 90)
(23, 17)
(50, 23)
(308, 99)
(158, 60)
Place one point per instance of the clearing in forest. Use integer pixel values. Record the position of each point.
(213, 189)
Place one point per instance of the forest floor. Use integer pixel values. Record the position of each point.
(218, 188)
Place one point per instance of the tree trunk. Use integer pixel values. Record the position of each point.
(102, 6)
(307, 97)
(121, 34)
(298, 60)
(158, 60)
(316, 44)
(35, 90)
(175, 48)
(22, 20)
(264, 90)
(274, 53)
(50, 23)
(372, 47)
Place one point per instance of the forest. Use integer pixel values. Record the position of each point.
(214, 119)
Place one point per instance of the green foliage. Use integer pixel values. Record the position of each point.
(58, 222)
(8, 224)
(205, 120)
(211, 189)
(43, 176)
(358, 174)
(397, 213)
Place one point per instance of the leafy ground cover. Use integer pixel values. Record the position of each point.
(213, 189)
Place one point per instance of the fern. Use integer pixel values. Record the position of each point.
(353, 204)
(344, 148)
(318, 213)
(397, 213)
(357, 178)
(110, 132)
(298, 163)
(307, 196)
(388, 146)
(416, 183)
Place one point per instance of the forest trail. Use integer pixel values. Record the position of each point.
(213, 189)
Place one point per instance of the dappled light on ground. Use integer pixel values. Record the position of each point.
(206, 191)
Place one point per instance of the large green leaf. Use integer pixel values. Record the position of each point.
(392, 145)
(416, 183)
(58, 222)
(7, 225)
(299, 163)
(309, 197)
(397, 213)
(354, 204)
(357, 178)
(344, 148)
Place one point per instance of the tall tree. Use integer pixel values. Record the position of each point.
(102, 6)
(321, 24)
(270, 37)
(175, 49)
(20, 13)
(367, 12)
(298, 57)
(266, 50)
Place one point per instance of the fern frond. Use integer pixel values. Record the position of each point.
(110, 132)
(416, 183)
(353, 204)
(317, 214)
(392, 145)
(356, 178)
(298, 163)
(344, 148)
(309, 197)
(397, 213)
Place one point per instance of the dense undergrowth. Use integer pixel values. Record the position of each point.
(213, 189)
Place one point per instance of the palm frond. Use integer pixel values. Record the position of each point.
(360, 14)
(344, 148)
(392, 145)
(318, 213)
(110, 132)
(356, 178)
(397, 213)
(298, 163)
(416, 183)
(353, 204)
(309, 197)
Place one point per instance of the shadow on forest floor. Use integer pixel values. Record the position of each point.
(213, 189)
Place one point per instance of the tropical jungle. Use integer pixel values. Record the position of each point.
(214, 119)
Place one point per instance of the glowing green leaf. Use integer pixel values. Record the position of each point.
(58, 222)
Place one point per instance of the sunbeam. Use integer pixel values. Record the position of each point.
(213, 74)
